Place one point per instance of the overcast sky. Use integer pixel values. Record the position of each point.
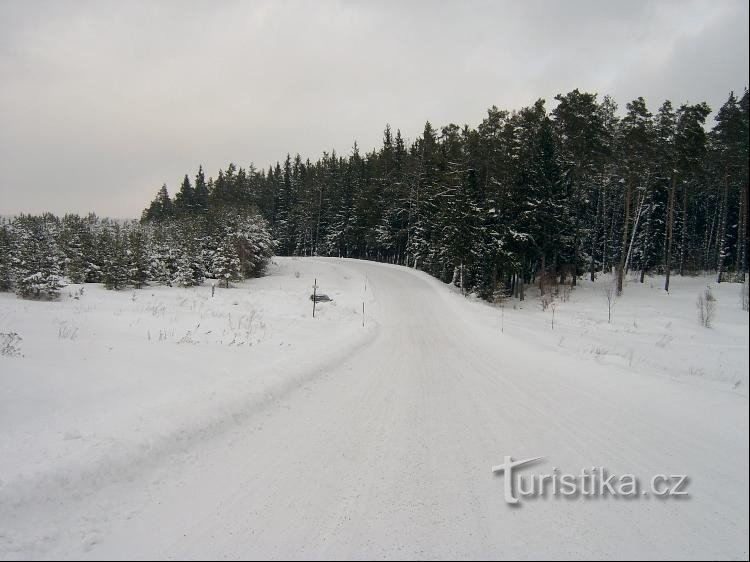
(102, 102)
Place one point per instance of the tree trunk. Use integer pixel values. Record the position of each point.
(635, 231)
(723, 229)
(575, 255)
(317, 224)
(741, 258)
(594, 237)
(684, 237)
(624, 249)
(605, 232)
(644, 263)
(670, 229)
(541, 275)
(708, 253)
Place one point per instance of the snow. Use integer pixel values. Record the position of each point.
(651, 331)
(166, 423)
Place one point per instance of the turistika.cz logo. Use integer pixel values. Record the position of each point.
(590, 482)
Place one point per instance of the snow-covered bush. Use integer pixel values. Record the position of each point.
(707, 307)
(546, 299)
(9, 344)
(609, 292)
(564, 293)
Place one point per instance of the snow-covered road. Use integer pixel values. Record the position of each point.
(384, 449)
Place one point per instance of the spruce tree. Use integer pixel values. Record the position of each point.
(184, 201)
(201, 192)
(190, 268)
(6, 257)
(637, 148)
(138, 259)
(78, 248)
(113, 257)
(36, 262)
(226, 262)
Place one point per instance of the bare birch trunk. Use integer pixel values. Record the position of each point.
(624, 250)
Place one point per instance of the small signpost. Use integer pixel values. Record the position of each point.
(318, 297)
(315, 295)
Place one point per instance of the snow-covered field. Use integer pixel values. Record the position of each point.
(650, 331)
(169, 423)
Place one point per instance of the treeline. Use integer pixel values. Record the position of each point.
(528, 195)
(37, 253)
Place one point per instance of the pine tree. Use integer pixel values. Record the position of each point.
(200, 192)
(456, 210)
(253, 244)
(77, 244)
(540, 205)
(36, 262)
(524, 196)
(6, 257)
(637, 146)
(138, 259)
(691, 151)
(582, 150)
(190, 268)
(422, 205)
(184, 201)
(162, 255)
(730, 144)
(226, 263)
(113, 257)
(161, 208)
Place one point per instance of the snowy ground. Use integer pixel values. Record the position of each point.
(167, 423)
(650, 331)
